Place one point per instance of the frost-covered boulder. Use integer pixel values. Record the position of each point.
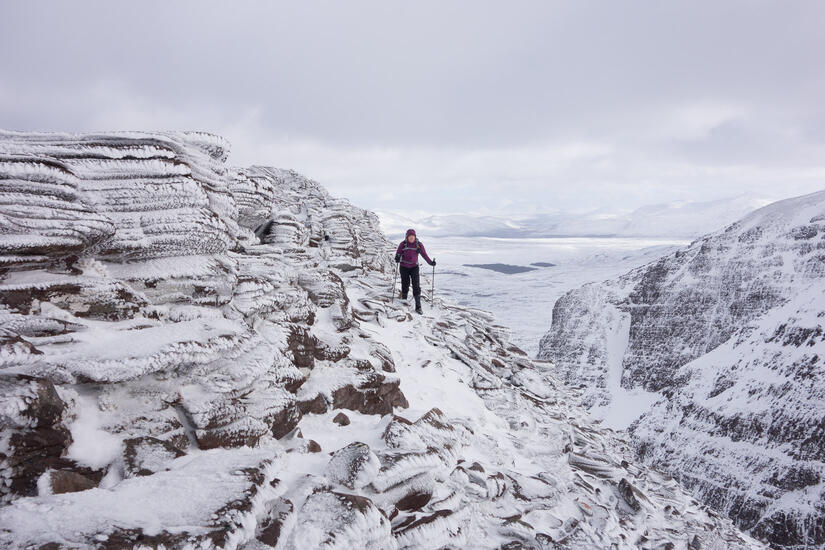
(335, 520)
(353, 466)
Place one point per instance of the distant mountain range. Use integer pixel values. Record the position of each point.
(673, 219)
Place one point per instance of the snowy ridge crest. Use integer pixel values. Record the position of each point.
(200, 356)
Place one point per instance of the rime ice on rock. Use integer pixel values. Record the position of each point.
(353, 466)
(178, 336)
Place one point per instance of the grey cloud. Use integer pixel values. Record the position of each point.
(386, 99)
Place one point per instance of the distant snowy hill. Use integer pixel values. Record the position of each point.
(717, 351)
(674, 220)
(199, 356)
(448, 225)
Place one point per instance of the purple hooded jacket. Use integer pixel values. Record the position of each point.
(409, 251)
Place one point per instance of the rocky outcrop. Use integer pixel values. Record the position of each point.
(179, 339)
(33, 439)
(725, 338)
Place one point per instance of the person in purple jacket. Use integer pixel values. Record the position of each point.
(407, 255)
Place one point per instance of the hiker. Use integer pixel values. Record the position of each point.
(407, 255)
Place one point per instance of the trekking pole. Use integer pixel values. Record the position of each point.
(394, 277)
(432, 290)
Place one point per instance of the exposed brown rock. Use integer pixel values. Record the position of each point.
(67, 481)
(306, 348)
(285, 421)
(317, 405)
(375, 396)
(36, 436)
(111, 301)
(341, 419)
(413, 501)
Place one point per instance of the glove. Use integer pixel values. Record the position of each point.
(433, 262)
(397, 258)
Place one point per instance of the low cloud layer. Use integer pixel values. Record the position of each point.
(448, 107)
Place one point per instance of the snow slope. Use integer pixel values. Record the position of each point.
(199, 356)
(719, 351)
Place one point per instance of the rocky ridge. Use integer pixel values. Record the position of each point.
(199, 356)
(718, 350)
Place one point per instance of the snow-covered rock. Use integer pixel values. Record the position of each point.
(354, 466)
(716, 354)
(209, 500)
(179, 336)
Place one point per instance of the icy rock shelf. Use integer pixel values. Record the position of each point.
(194, 355)
(716, 352)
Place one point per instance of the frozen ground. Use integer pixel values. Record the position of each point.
(524, 301)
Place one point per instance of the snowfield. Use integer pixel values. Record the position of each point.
(524, 301)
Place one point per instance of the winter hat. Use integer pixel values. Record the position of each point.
(410, 232)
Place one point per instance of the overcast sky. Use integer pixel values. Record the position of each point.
(448, 106)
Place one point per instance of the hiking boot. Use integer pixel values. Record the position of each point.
(418, 310)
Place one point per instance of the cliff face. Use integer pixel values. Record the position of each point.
(723, 342)
(194, 355)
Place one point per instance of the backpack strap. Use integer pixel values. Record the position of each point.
(417, 246)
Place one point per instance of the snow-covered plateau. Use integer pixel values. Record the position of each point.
(194, 355)
(519, 279)
(713, 358)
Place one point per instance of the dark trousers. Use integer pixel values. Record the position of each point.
(408, 273)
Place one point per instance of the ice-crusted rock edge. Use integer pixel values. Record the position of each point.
(178, 336)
